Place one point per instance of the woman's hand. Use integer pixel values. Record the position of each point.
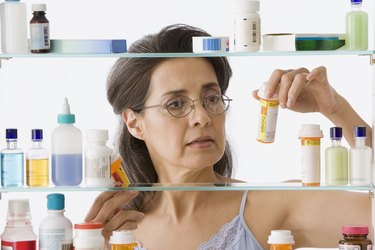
(302, 91)
(107, 209)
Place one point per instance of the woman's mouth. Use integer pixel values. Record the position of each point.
(201, 142)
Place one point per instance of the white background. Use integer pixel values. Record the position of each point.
(32, 90)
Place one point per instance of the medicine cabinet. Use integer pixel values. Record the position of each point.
(32, 86)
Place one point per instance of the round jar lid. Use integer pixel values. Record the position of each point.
(354, 230)
(89, 225)
(38, 7)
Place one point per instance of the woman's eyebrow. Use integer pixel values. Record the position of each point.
(206, 86)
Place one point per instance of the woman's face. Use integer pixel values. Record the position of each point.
(192, 142)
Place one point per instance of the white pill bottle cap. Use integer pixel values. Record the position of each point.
(280, 237)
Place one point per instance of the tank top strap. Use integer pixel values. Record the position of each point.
(243, 203)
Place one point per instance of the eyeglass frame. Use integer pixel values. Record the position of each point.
(223, 97)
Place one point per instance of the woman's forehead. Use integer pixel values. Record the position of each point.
(183, 74)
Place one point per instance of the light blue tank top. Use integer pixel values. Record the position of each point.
(234, 235)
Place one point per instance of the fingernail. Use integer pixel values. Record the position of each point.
(289, 103)
(282, 105)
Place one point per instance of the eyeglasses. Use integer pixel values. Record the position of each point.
(181, 106)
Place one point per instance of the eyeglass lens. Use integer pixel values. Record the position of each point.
(181, 106)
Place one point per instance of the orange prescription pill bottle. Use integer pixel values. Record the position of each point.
(117, 171)
(310, 135)
(269, 109)
(280, 240)
(122, 240)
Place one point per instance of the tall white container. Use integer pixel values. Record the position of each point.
(66, 150)
(13, 27)
(247, 34)
(55, 230)
(97, 159)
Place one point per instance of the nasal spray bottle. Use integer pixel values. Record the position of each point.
(66, 150)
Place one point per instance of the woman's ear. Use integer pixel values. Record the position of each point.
(132, 121)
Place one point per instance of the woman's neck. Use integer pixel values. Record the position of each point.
(181, 204)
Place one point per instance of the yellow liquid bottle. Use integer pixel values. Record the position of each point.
(37, 166)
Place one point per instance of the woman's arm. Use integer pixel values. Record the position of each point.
(303, 91)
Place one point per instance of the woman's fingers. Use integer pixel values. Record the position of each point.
(295, 80)
(124, 219)
(98, 204)
(107, 204)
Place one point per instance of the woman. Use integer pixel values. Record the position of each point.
(173, 131)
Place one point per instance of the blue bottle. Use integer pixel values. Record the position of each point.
(12, 166)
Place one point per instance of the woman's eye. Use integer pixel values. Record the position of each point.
(213, 99)
(176, 103)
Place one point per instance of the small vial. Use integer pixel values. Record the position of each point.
(280, 240)
(123, 240)
(355, 237)
(310, 135)
(88, 236)
(97, 159)
(336, 159)
(247, 26)
(39, 30)
(12, 167)
(269, 109)
(360, 159)
(37, 174)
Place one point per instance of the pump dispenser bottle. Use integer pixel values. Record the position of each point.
(18, 232)
(66, 150)
(55, 230)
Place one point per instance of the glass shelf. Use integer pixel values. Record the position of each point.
(189, 187)
(190, 54)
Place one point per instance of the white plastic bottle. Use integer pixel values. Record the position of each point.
(310, 135)
(247, 34)
(18, 233)
(13, 27)
(55, 231)
(97, 159)
(360, 162)
(66, 150)
(88, 236)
